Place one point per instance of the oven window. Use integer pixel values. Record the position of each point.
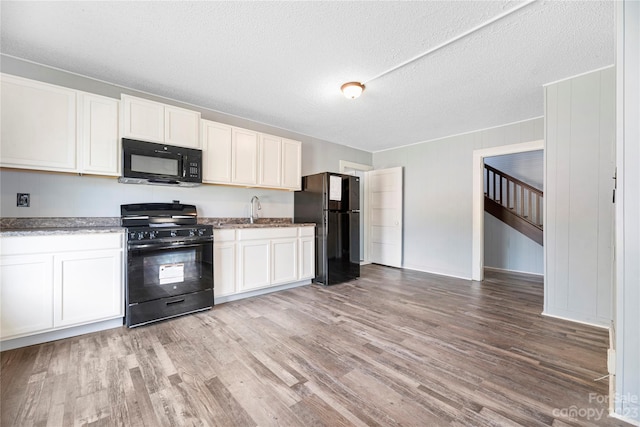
(160, 273)
(154, 165)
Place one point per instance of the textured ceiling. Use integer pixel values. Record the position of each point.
(282, 63)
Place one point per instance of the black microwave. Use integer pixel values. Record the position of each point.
(150, 163)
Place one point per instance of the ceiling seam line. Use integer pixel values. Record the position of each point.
(453, 40)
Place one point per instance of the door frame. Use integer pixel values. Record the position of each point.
(477, 251)
(364, 209)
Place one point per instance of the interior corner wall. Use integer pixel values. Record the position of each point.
(507, 249)
(438, 180)
(579, 159)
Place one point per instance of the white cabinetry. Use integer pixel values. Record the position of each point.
(26, 294)
(306, 253)
(224, 262)
(157, 122)
(98, 142)
(254, 264)
(244, 156)
(47, 127)
(38, 125)
(87, 286)
(216, 146)
(248, 259)
(291, 164)
(270, 161)
(54, 282)
(284, 260)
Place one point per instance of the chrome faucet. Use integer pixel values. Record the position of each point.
(255, 206)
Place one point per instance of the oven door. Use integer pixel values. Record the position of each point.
(167, 269)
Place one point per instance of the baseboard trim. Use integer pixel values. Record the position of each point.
(583, 322)
(257, 292)
(504, 270)
(631, 421)
(436, 273)
(14, 343)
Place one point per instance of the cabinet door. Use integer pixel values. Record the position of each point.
(216, 145)
(253, 264)
(181, 127)
(26, 294)
(291, 164)
(224, 269)
(87, 287)
(244, 156)
(38, 125)
(307, 258)
(270, 161)
(143, 119)
(284, 259)
(98, 134)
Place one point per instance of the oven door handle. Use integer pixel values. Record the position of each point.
(171, 245)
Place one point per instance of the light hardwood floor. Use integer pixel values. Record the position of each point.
(394, 348)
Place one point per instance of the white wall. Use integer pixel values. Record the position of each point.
(438, 194)
(70, 195)
(508, 249)
(579, 153)
(65, 195)
(627, 384)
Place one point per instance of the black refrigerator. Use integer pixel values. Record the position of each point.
(332, 201)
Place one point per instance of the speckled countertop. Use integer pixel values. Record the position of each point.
(80, 225)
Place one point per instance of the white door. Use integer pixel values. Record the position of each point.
(384, 196)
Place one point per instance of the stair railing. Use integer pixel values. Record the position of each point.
(519, 197)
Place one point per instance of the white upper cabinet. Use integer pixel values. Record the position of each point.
(181, 127)
(156, 122)
(291, 164)
(216, 146)
(38, 125)
(142, 119)
(244, 156)
(98, 142)
(270, 161)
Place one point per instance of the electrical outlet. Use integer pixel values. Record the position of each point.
(24, 200)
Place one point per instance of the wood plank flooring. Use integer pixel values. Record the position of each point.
(394, 348)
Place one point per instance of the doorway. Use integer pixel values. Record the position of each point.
(477, 257)
(357, 169)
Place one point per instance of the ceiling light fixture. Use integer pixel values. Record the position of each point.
(352, 90)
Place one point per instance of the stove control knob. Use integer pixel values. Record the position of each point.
(152, 234)
(192, 233)
(174, 233)
(201, 232)
(140, 235)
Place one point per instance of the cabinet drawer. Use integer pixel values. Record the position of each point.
(307, 231)
(267, 233)
(224, 235)
(19, 245)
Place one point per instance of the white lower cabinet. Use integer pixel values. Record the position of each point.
(254, 263)
(248, 259)
(306, 253)
(54, 282)
(26, 294)
(87, 286)
(284, 264)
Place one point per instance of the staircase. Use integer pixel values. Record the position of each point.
(514, 202)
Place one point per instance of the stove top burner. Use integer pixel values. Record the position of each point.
(162, 222)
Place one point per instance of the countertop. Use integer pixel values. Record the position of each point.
(61, 226)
